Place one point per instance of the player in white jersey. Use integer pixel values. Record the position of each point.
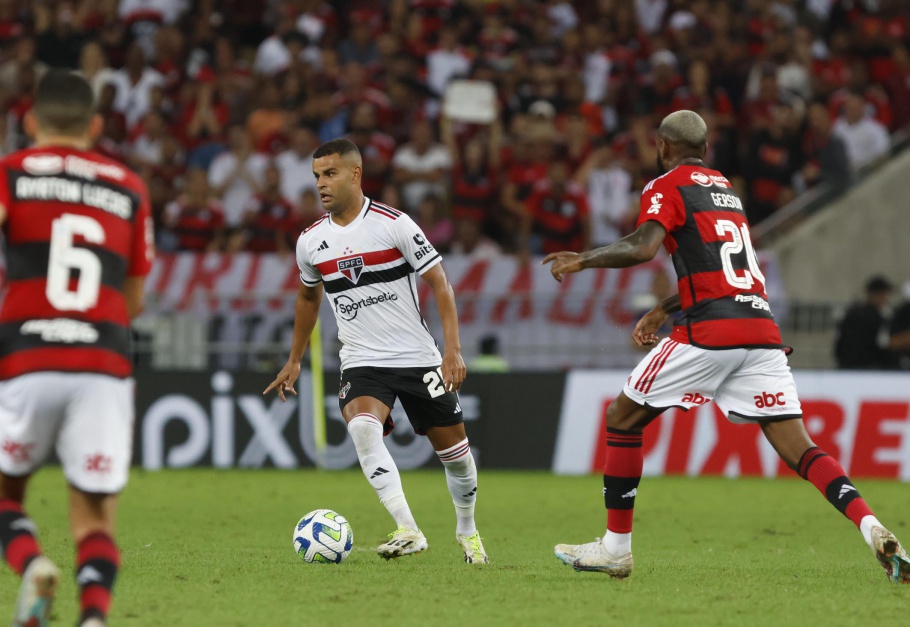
(366, 256)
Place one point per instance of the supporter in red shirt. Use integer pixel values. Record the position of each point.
(195, 220)
(269, 221)
(558, 212)
(204, 116)
(898, 86)
(699, 94)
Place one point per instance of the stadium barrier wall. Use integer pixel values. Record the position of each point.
(221, 419)
(518, 421)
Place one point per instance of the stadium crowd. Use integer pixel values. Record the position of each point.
(220, 103)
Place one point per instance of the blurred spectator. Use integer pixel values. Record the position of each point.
(236, 175)
(93, 66)
(609, 187)
(296, 163)
(134, 83)
(204, 114)
(863, 335)
(773, 157)
(145, 17)
(308, 209)
(898, 86)
(194, 221)
(471, 242)
(436, 225)
(270, 221)
(447, 61)
(360, 46)
(475, 177)
(421, 167)
(900, 330)
(824, 154)
(866, 140)
(699, 94)
(23, 61)
(558, 214)
(59, 39)
(376, 148)
(488, 358)
(146, 141)
(650, 14)
(267, 120)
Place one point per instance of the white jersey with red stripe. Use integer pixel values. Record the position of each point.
(369, 271)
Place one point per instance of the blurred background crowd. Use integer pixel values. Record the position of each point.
(220, 103)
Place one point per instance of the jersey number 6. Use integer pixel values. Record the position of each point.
(65, 258)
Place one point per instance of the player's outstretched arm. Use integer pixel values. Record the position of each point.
(645, 333)
(305, 314)
(453, 368)
(635, 248)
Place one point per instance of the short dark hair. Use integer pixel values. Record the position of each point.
(340, 147)
(878, 284)
(64, 102)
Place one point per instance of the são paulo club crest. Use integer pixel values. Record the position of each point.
(351, 268)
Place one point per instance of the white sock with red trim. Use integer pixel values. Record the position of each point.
(379, 467)
(461, 477)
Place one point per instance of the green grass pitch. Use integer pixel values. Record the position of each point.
(205, 547)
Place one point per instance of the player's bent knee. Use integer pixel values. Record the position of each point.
(626, 415)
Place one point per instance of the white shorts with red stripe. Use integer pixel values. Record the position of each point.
(748, 384)
(87, 417)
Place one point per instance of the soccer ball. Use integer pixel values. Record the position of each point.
(323, 536)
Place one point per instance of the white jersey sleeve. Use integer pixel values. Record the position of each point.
(413, 244)
(309, 274)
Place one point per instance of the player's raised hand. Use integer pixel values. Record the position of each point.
(645, 333)
(453, 371)
(563, 263)
(285, 380)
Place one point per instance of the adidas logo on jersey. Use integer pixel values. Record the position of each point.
(457, 408)
(323, 246)
(844, 489)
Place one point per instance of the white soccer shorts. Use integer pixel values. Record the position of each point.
(748, 384)
(88, 416)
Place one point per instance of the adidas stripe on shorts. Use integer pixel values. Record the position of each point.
(748, 384)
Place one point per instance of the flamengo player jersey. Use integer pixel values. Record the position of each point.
(368, 270)
(77, 225)
(721, 287)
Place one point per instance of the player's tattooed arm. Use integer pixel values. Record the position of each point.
(635, 248)
(305, 314)
(453, 368)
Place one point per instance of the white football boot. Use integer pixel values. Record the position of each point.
(36, 595)
(593, 557)
(891, 555)
(403, 541)
(473, 549)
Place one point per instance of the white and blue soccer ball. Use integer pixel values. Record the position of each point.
(323, 536)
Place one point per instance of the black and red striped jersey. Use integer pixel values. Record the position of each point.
(721, 287)
(77, 225)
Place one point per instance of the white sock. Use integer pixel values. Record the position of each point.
(461, 477)
(865, 528)
(379, 467)
(617, 544)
